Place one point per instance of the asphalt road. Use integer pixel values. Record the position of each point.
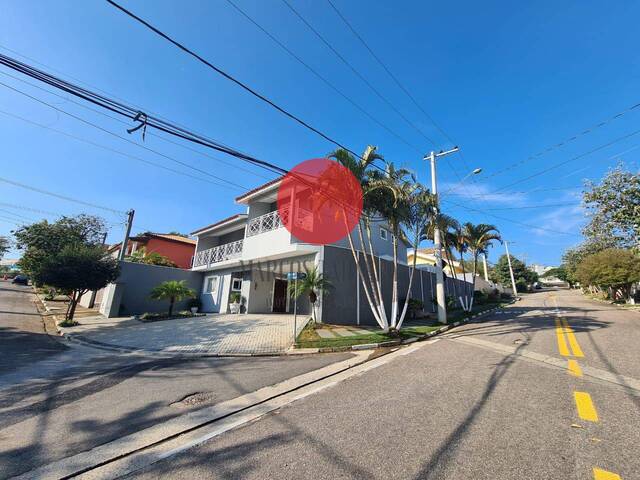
(58, 400)
(477, 404)
(22, 336)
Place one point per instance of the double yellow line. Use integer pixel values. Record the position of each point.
(566, 339)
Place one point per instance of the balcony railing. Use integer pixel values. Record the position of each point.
(218, 254)
(272, 221)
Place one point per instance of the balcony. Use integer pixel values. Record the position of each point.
(272, 221)
(218, 254)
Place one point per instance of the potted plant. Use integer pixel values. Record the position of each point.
(194, 305)
(234, 298)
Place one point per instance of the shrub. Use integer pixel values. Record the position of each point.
(235, 297)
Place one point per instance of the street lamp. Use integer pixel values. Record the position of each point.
(437, 241)
(475, 171)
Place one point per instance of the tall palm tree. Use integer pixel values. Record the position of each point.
(478, 239)
(312, 285)
(448, 227)
(172, 290)
(361, 169)
(394, 190)
(460, 244)
(418, 213)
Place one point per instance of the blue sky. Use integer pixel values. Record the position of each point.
(504, 80)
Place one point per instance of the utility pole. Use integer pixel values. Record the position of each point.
(437, 241)
(123, 248)
(513, 282)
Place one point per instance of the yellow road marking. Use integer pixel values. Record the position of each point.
(599, 474)
(586, 410)
(562, 343)
(573, 342)
(574, 368)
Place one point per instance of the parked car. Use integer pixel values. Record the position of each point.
(21, 279)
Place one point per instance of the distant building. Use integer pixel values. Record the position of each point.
(539, 269)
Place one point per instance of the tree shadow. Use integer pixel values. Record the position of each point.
(446, 452)
(20, 347)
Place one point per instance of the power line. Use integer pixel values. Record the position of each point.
(399, 84)
(318, 75)
(231, 78)
(88, 85)
(143, 119)
(357, 73)
(62, 197)
(548, 205)
(390, 73)
(572, 159)
(564, 142)
(151, 134)
(511, 220)
(224, 183)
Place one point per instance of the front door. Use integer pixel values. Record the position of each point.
(280, 296)
(211, 293)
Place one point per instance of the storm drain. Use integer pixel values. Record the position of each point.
(194, 399)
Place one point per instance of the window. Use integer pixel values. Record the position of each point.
(212, 285)
(236, 284)
(383, 233)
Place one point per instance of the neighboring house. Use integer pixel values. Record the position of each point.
(426, 256)
(10, 263)
(178, 249)
(252, 253)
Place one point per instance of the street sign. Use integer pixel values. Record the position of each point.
(296, 276)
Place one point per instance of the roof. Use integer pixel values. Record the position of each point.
(165, 236)
(264, 186)
(224, 221)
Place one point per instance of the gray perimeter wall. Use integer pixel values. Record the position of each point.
(340, 306)
(130, 294)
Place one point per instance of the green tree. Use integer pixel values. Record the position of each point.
(522, 275)
(43, 239)
(312, 285)
(613, 208)
(612, 269)
(75, 270)
(5, 245)
(172, 290)
(561, 273)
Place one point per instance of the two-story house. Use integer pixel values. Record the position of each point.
(252, 253)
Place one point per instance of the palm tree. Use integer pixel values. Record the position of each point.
(418, 213)
(360, 167)
(478, 239)
(394, 191)
(312, 285)
(172, 290)
(459, 242)
(448, 227)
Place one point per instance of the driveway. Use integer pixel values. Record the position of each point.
(222, 334)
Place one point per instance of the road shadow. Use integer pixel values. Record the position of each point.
(19, 348)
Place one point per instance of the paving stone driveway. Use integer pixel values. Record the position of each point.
(214, 334)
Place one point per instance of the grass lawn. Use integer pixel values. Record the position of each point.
(309, 338)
